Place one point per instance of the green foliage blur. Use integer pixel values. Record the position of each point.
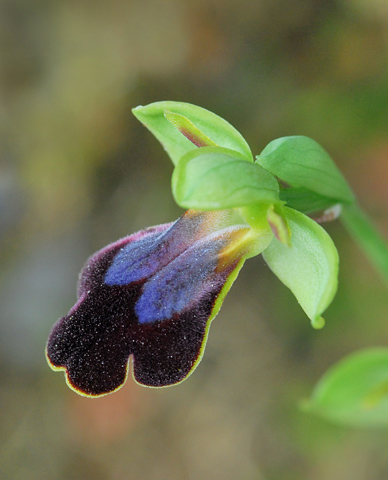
(78, 171)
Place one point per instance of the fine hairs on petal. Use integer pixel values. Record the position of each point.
(150, 296)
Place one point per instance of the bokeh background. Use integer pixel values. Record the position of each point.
(77, 171)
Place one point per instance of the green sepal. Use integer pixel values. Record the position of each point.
(302, 163)
(305, 201)
(354, 391)
(309, 268)
(159, 119)
(213, 178)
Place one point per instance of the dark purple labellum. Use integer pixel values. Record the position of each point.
(151, 295)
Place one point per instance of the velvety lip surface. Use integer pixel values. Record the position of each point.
(151, 296)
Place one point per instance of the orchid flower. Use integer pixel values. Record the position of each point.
(151, 296)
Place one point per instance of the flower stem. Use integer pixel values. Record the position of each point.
(368, 238)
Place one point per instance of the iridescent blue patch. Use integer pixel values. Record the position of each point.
(135, 261)
(181, 283)
(143, 257)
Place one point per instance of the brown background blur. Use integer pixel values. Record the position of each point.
(77, 171)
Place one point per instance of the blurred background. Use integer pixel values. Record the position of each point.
(77, 171)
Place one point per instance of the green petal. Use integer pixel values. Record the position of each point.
(189, 130)
(354, 391)
(279, 225)
(302, 162)
(167, 121)
(309, 268)
(212, 178)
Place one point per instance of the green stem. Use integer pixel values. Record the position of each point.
(368, 238)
